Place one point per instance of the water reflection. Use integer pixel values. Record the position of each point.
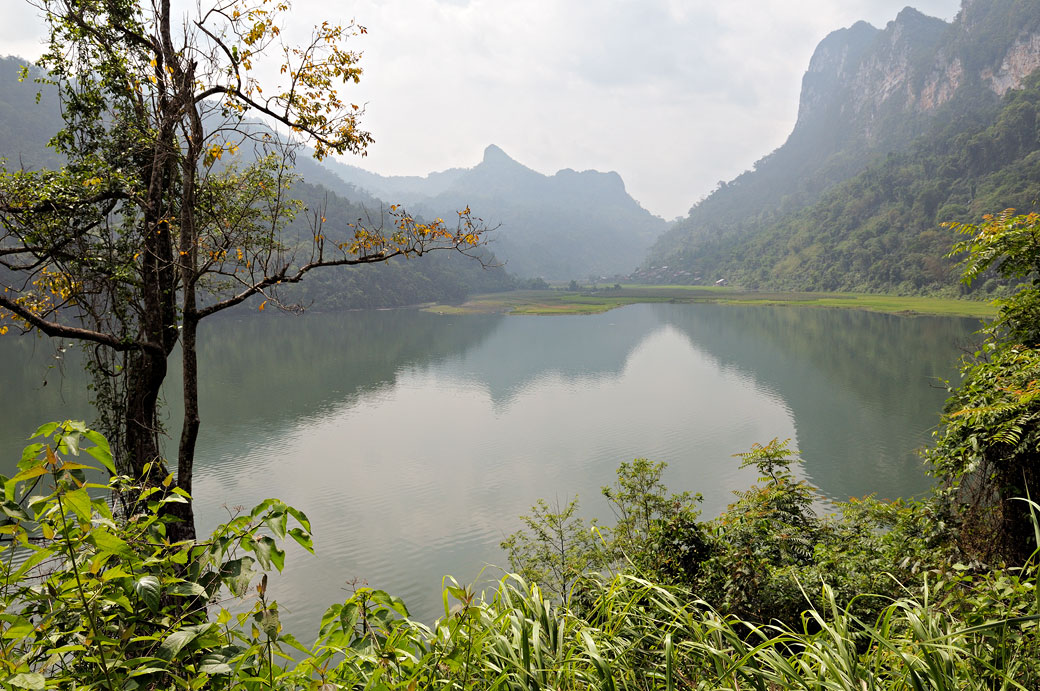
(864, 388)
(414, 441)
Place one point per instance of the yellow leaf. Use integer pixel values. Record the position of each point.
(263, 305)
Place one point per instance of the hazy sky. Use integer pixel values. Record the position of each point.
(674, 95)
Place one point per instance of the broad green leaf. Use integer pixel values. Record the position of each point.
(45, 430)
(30, 456)
(114, 573)
(278, 522)
(14, 510)
(148, 591)
(141, 671)
(186, 589)
(79, 501)
(268, 553)
(212, 664)
(17, 626)
(301, 517)
(290, 640)
(237, 575)
(303, 538)
(61, 650)
(38, 557)
(76, 466)
(261, 507)
(269, 622)
(71, 442)
(176, 641)
(101, 451)
(105, 541)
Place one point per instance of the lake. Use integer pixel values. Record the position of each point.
(414, 441)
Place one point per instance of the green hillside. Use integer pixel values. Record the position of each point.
(855, 199)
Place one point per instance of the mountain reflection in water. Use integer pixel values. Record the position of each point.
(413, 441)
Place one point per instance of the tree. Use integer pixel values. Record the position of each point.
(986, 453)
(556, 548)
(642, 507)
(149, 229)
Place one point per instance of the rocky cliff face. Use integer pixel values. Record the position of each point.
(861, 77)
(1021, 59)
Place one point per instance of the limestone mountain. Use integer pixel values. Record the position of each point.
(572, 224)
(898, 130)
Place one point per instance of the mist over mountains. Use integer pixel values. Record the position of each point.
(27, 124)
(568, 225)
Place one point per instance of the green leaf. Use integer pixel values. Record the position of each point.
(106, 542)
(278, 522)
(37, 558)
(268, 553)
(175, 642)
(114, 573)
(186, 589)
(17, 626)
(303, 538)
(212, 664)
(141, 671)
(101, 451)
(28, 680)
(148, 590)
(79, 501)
(261, 507)
(301, 517)
(237, 575)
(29, 474)
(291, 641)
(14, 510)
(71, 443)
(30, 455)
(45, 430)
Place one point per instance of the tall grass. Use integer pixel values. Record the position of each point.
(623, 632)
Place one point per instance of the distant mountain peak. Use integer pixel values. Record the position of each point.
(908, 14)
(493, 154)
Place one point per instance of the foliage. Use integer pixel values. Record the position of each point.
(764, 558)
(556, 548)
(655, 531)
(95, 601)
(986, 451)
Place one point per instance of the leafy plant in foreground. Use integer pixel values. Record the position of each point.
(104, 601)
(985, 453)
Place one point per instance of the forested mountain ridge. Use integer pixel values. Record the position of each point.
(567, 225)
(898, 130)
(28, 123)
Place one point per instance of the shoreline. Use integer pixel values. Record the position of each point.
(596, 301)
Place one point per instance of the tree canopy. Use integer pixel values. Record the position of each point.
(171, 205)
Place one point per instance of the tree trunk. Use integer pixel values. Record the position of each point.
(145, 373)
(185, 529)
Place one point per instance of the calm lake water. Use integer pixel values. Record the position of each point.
(413, 441)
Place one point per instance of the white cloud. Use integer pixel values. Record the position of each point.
(673, 94)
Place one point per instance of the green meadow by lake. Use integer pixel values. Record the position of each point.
(414, 440)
